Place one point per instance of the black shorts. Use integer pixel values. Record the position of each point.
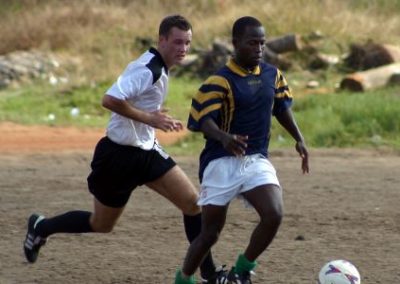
(118, 169)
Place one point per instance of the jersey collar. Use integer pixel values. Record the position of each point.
(235, 68)
(159, 57)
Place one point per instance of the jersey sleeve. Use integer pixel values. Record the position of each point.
(283, 95)
(131, 83)
(207, 102)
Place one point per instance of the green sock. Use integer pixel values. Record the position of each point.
(243, 264)
(180, 280)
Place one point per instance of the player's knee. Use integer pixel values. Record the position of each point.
(273, 218)
(277, 218)
(209, 238)
(190, 208)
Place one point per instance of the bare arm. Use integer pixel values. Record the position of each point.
(286, 119)
(158, 119)
(235, 144)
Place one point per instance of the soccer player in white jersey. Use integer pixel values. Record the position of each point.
(129, 155)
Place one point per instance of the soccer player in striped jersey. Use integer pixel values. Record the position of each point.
(233, 109)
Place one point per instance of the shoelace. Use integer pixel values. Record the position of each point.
(219, 271)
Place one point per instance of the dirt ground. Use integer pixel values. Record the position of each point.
(346, 208)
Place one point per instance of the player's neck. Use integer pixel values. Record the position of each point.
(168, 61)
(246, 68)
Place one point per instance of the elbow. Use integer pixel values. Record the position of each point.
(114, 104)
(106, 102)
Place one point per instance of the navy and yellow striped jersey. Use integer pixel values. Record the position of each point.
(240, 102)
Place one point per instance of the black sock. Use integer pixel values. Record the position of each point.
(192, 230)
(70, 222)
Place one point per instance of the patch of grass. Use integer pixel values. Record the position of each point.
(37, 103)
(347, 119)
(189, 146)
(385, 7)
(181, 91)
(41, 103)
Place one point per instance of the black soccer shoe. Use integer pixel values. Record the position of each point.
(234, 278)
(219, 277)
(33, 242)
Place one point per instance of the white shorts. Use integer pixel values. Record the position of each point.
(227, 177)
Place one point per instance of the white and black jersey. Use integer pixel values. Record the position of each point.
(144, 85)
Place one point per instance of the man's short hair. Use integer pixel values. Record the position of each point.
(239, 27)
(172, 21)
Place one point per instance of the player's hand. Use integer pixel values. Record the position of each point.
(302, 150)
(161, 120)
(235, 144)
(178, 125)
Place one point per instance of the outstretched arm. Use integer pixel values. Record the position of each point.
(157, 119)
(286, 119)
(235, 144)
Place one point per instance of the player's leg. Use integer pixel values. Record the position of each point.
(104, 217)
(175, 186)
(213, 218)
(102, 220)
(262, 190)
(221, 182)
(103, 182)
(213, 221)
(267, 201)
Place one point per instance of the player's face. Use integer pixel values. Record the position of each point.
(175, 46)
(249, 48)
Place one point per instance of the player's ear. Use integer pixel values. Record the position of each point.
(162, 39)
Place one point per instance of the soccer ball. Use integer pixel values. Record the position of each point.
(339, 272)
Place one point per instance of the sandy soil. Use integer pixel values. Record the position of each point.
(347, 208)
(16, 138)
